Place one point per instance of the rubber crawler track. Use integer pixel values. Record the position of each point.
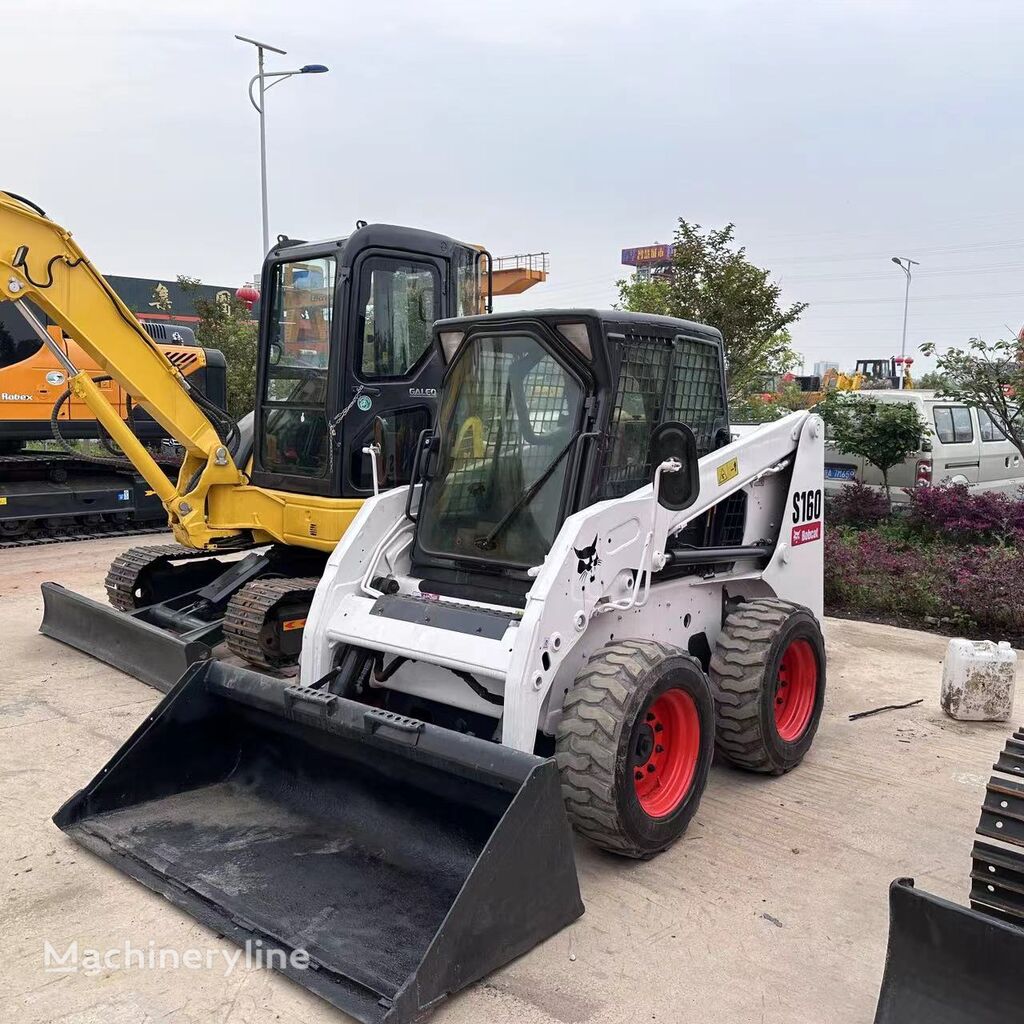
(124, 573)
(248, 611)
(80, 531)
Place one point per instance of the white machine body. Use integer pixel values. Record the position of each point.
(577, 604)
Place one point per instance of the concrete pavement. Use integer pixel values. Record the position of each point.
(772, 909)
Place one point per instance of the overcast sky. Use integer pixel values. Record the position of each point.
(834, 135)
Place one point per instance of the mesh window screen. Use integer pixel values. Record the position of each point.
(688, 370)
(696, 397)
(640, 392)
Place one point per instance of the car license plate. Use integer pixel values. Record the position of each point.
(840, 472)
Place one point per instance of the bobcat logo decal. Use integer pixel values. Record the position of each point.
(588, 560)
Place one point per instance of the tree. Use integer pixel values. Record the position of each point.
(989, 376)
(931, 381)
(884, 433)
(225, 323)
(711, 281)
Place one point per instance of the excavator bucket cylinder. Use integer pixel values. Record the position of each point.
(948, 964)
(380, 861)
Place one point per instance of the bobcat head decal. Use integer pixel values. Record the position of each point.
(588, 560)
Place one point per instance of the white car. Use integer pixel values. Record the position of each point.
(960, 445)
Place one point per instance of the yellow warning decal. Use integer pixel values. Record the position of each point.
(293, 624)
(728, 470)
(3, 501)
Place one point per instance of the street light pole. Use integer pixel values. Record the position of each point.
(261, 77)
(905, 263)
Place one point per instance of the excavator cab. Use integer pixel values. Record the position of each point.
(347, 372)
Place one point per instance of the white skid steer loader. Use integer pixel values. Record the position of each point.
(575, 572)
(587, 587)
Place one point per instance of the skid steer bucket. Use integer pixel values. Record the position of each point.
(948, 964)
(153, 655)
(404, 860)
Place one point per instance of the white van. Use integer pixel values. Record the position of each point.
(960, 445)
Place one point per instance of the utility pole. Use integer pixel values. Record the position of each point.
(904, 263)
(261, 77)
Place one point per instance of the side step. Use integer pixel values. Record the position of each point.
(405, 860)
(948, 964)
(153, 655)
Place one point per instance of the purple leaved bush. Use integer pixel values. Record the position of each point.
(953, 512)
(969, 586)
(857, 504)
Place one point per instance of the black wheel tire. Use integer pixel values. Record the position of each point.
(602, 721)
(745, 679)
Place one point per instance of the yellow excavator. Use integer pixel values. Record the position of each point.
(347, 379)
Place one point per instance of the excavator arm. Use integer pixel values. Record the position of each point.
(40, 262)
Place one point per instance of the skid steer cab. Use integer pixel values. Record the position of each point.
(586, 587)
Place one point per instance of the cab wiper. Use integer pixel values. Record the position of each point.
(487, 543)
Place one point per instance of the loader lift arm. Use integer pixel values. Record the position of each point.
(40, 262)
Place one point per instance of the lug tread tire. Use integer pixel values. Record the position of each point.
(594, 715)
(738, 668)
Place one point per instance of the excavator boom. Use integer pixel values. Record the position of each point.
(40, 261)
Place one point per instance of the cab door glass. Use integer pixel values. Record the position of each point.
(398, 302)
(394, 434)
(298, 357)
(466, 266)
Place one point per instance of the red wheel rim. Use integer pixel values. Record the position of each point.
(796, 690)
(666, 753)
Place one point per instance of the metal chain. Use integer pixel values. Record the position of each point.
(335, 423)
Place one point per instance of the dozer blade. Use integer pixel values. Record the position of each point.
(153, 655)
(405, 860)
(948, 964)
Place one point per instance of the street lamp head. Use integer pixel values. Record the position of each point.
(897, 261)
(313, 69)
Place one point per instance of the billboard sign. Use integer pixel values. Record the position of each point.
(647, 254)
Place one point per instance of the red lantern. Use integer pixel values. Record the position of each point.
(248, 294)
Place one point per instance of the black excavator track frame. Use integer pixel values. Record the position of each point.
(128, 574)
(48, 497)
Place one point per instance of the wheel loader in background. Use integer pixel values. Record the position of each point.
(346, 382)
(585, 589)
